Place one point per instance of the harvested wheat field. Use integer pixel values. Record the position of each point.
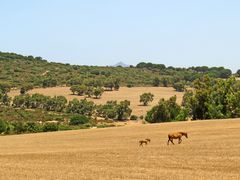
(131, 94)
(212, 151)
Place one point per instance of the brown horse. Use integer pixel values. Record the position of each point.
(176, 135)
(141, 142)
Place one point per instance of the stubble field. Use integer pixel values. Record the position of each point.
(212, 151)
(131, 94)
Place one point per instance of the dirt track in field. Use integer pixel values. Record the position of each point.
(131, 94)
(212, 151)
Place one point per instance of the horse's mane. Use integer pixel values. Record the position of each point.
(183, 133)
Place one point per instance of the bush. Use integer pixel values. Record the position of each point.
(48, 127)
(19, 127)
(3, 126)
(33, 127)
(133, 117)
(130, 84)
(64, 127)
(105, 125)
(78, 120)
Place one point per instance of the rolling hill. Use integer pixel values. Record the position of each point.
(17, 70)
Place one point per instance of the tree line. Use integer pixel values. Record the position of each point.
(210, 99)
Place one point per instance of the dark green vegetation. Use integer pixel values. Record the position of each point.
(165, 111)
(210, 99)
(27, 71)
(19, 120)
(38, 113)
(114, 110)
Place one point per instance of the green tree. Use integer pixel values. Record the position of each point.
(109, 84)
(123, 110)
(145, 98)
(179, 86)
(82, 107)
(49, 82)
(116, 84)
(166, 110)
(25, 88)
(74, 89)
(5, 87)
(97, 92)
(238, 73)
(89, 91)
(108, 110)
(156, 82)
(81, 90)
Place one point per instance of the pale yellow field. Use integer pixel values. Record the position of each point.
(212, 151)
(131, 94)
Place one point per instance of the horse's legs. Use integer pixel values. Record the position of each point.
(168, 141)
(179, 140)
(172, 141)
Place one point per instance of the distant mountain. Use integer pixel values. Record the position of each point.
(121, 64)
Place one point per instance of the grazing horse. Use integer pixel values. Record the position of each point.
(141, 142)
(148, 140)
(176, 135)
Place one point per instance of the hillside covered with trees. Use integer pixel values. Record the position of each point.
(18, 70)
(214, 94)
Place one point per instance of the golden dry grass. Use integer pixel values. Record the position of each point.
(131, 94)
(212, 151)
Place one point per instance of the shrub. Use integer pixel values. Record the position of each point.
(78, 120)
(48, 127)
(133, 117)
(130, 85)
(3, 126)
(33, 127)
(19, 127)
(64, 127)
(105, 125)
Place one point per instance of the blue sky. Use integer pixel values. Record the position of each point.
(176, 33)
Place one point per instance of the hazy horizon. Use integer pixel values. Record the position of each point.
(179, 34)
